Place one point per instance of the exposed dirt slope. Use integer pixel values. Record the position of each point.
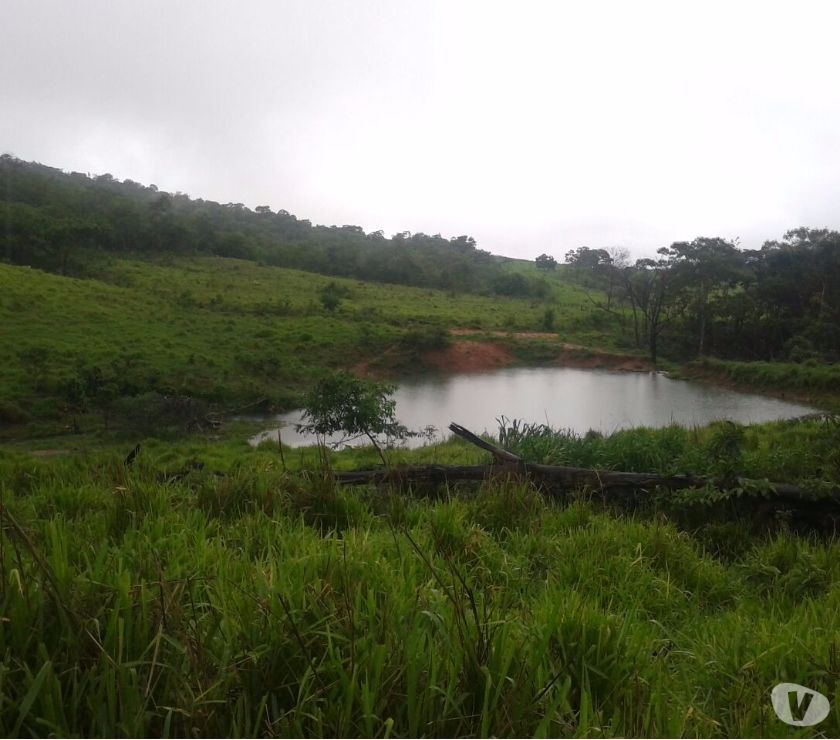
(465, 356)
(479, 353)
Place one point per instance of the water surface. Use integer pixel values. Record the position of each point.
(568, 398)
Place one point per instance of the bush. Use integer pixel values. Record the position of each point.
(512, 284)
(11, 413)
(425, 339)
(800, 349)
(548, 319)
(341, 402)
(152, 414)
(331, 295)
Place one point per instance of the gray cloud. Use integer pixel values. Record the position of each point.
(532, 126)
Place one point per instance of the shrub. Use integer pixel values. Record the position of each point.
(800, 349)
(341, 402)
(425, 339)
(331, 295)
(548, 319)
(153, 413)
(11, 413)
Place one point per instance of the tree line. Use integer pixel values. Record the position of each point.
(709, 297)
(59, 221)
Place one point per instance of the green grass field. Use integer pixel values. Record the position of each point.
(241, 598)
(232, 331)
(816, 379)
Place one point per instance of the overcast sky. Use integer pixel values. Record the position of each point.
(532, 126)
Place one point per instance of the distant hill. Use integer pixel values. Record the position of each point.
(60, 221)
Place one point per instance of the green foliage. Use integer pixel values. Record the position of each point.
(800, 349)
(545, 262)
(11, 413)
(236, 494)
(425, 339)
(331, 295)
(698, 298)
(725, 448)
(156, 414)
(242, 599)
(707, 296)
(247, 333)
(341, 402)
(65, 222)
(516, 284)
(548, 319)
(786, 451)
(584, 258)
(822, 380)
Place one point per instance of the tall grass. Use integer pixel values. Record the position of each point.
(255, 601)
(782, 451)
(784, 376)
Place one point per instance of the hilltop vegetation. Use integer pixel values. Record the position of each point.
(63, 222)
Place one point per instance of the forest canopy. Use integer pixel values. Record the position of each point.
(696, 298)
(58, 221)
(708, 297)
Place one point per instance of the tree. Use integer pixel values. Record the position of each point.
(649, 286)
(511, 284)
(68, 234)
(588, 259)
(93, 387)
(341, 402)
(546, 262)
(609, 271)
(701, 267)
(331, 295)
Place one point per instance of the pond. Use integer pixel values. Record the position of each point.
(567, 398)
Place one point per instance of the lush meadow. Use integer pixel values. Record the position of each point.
(230, 332)
(215, 589)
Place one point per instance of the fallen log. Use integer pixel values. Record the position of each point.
(560, 476)
(498, 453)
(569, 478)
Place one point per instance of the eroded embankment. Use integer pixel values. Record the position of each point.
(466, 356)
(469, 351)
(472, 352)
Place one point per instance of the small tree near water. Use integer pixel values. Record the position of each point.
(341, 402)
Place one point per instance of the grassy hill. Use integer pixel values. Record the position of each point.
(232, 331)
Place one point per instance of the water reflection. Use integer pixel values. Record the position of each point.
(568, 398)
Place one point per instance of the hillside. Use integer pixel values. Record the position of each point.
(64, 222)
(231, 332)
